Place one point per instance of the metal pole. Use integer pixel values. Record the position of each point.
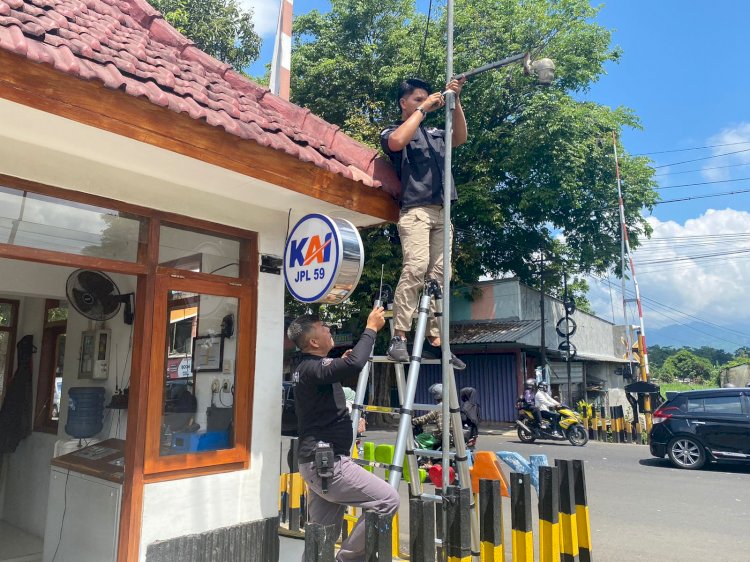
(567, 340)
(542, 338)
(450, 102)
(644, 371)
(623, 235)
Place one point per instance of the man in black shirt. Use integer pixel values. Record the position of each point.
(418, 154)
(324, 418)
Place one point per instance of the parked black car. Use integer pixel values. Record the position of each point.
(702, 426)
(288, 413)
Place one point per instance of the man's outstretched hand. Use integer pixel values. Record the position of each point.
(376, 319)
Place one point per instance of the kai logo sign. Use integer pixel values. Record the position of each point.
(315, 258)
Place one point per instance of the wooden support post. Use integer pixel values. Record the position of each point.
(582, 512)
(491, 521)
(549, 508)
(568, 524)
(421, 530)
(521, 524)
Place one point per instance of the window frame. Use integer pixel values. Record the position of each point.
(45, 386)
(12, 332)
(166, 467)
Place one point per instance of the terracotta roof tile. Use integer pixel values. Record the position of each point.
(127, 44)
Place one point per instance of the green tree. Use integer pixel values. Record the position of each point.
(687, 365)
(714, 355)
(657, 354)
(221, 28)
(538, 171)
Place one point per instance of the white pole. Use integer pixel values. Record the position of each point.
(281, 64)
(450, 102)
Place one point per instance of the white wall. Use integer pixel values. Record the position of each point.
(27, 469)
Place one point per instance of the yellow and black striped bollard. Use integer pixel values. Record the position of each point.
(582, 512)
(491, 521)
(568, 524)
(549, 508)
(520, 501)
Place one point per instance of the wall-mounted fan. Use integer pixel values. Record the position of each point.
(95, 296)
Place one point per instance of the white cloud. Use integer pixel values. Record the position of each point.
(265, 15)
(712, 289)
(729, 136)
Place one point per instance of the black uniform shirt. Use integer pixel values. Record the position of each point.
(420, 166)
(319, 398)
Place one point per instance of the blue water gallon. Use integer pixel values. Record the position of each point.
(85, 411)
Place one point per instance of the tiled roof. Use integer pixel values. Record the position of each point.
(127, 45)
(491, 331)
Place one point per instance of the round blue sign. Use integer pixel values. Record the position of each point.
(320, 258)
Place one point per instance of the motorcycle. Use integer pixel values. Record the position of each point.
(427, 440)
(571, 426)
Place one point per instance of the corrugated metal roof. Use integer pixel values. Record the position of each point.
(127, 45)
(491, 331)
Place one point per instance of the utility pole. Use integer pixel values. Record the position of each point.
(542, 337)
(567, 338)
(644, 370)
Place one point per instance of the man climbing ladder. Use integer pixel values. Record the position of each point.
(418, 155)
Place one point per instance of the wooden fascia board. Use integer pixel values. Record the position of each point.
(90, 103)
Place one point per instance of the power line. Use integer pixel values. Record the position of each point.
(701, 183)
(702, 158)
(652, 305)
(693, 148)
(702, 196)
(701, 169)
(424, 40)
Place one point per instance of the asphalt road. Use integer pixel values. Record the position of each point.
(641, 508)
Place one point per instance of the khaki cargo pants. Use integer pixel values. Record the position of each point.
(421, 232)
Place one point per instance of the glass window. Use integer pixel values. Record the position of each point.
(8, 318)
(200, 252)
(199, 373)
(6, 314)
(38, 221)
(695, 405)
(723, 405)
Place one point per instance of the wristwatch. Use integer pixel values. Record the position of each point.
(424, 113)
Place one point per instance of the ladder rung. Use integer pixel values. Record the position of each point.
(432, 454)
(386, 359)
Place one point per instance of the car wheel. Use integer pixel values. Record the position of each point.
(525, 436)
(687, 453)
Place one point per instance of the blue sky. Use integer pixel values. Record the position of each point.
(684, 72)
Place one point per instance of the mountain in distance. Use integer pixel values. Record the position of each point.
(697, 334)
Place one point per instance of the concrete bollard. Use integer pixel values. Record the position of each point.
(378, 537)
(568, 524)
(320, 542)
(582, 512)
(521, 523)
(458, 535)
(549, 514)
(491, 522)
(421, 530)
(296, 488)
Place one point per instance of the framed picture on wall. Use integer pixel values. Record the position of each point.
(208, 354)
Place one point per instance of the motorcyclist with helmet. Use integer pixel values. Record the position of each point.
(544, 402)
(433, 416)
(529, 398)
